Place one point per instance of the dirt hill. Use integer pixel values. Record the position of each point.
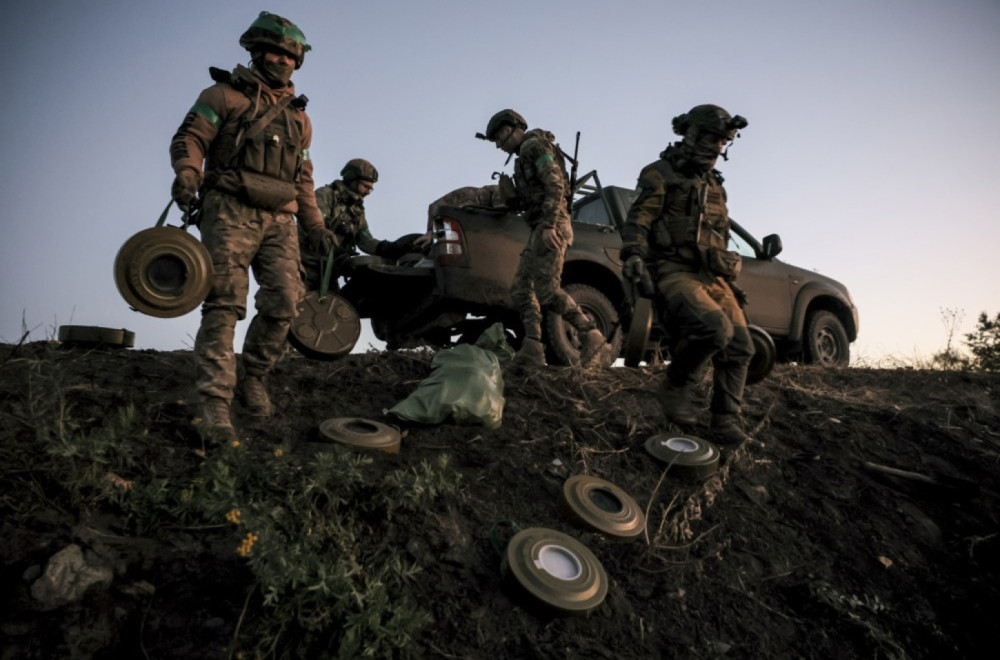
(861, 520)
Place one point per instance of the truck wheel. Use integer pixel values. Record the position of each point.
(826, 341)
(560, 338)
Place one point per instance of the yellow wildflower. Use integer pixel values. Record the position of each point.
(246, 546)
(233, 516)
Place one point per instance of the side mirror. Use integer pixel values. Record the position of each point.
(772, 246)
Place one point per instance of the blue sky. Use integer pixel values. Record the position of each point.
(868, 148)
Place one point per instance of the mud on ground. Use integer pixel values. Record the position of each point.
(802, 544)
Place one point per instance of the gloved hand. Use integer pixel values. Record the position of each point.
(185, 188)
(634, 270)
(424, 241)
(322, 239)
(392, 249)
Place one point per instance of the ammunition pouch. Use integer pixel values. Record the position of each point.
(723, 262)
(265, 192)
(661, 235)
(269, 154)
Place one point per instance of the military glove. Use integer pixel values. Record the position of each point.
(185, 188)
(393, 249)
(635, 271)
(323, 240)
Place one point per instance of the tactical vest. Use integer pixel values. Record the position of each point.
(266, 150)
(694, 217)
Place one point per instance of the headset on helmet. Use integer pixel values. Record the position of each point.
(359, 168)
(505, 117)
(271, 30)
(708, 118)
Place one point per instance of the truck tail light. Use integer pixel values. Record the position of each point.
(448, 241)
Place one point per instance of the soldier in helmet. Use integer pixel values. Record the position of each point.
(342, 204)
(674, 247)
(542, 193)
(242, 153)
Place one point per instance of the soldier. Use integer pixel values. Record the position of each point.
(342, 204)
(674, 247)
(251, 133)
(542, 193)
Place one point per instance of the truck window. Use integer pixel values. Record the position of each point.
(592, 212)
(739, 244)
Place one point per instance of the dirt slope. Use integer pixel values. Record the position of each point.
(802, 544)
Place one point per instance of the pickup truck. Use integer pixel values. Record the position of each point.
(462, 286)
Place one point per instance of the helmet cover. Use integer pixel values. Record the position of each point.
(273, 31)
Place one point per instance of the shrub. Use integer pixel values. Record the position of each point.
(984, 343)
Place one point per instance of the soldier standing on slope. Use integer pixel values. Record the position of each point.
(244, 146)
(674, 246)
(542, 190)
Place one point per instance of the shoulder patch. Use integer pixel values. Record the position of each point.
(543, 159)
(206, 112)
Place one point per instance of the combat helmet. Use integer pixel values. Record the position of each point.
(708, 118)
(276, 32)
(359, 168)
(504, 117)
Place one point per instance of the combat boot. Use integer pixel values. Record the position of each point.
(215, 419)
(590, 348)
(675, 401)
(532, 353)
(727, 429)
(255, 395)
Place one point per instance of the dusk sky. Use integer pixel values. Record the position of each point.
(864, 148)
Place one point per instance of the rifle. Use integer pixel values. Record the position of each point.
(572, 173)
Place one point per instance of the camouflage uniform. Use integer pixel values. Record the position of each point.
(543, 190)
(245, 225)
(344, 213)
(678, 222)
(485, 196)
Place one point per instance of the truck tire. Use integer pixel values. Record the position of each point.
(563, 346)
(826, 341)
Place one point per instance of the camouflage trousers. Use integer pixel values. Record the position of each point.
(706, 323)
(537, 286)
(239, 239)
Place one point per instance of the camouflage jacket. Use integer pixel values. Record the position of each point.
(206, 140)
(343, 213)
(677, 213)
(541, 181)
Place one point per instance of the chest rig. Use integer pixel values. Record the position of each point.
(694, 216)
(267, 149)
